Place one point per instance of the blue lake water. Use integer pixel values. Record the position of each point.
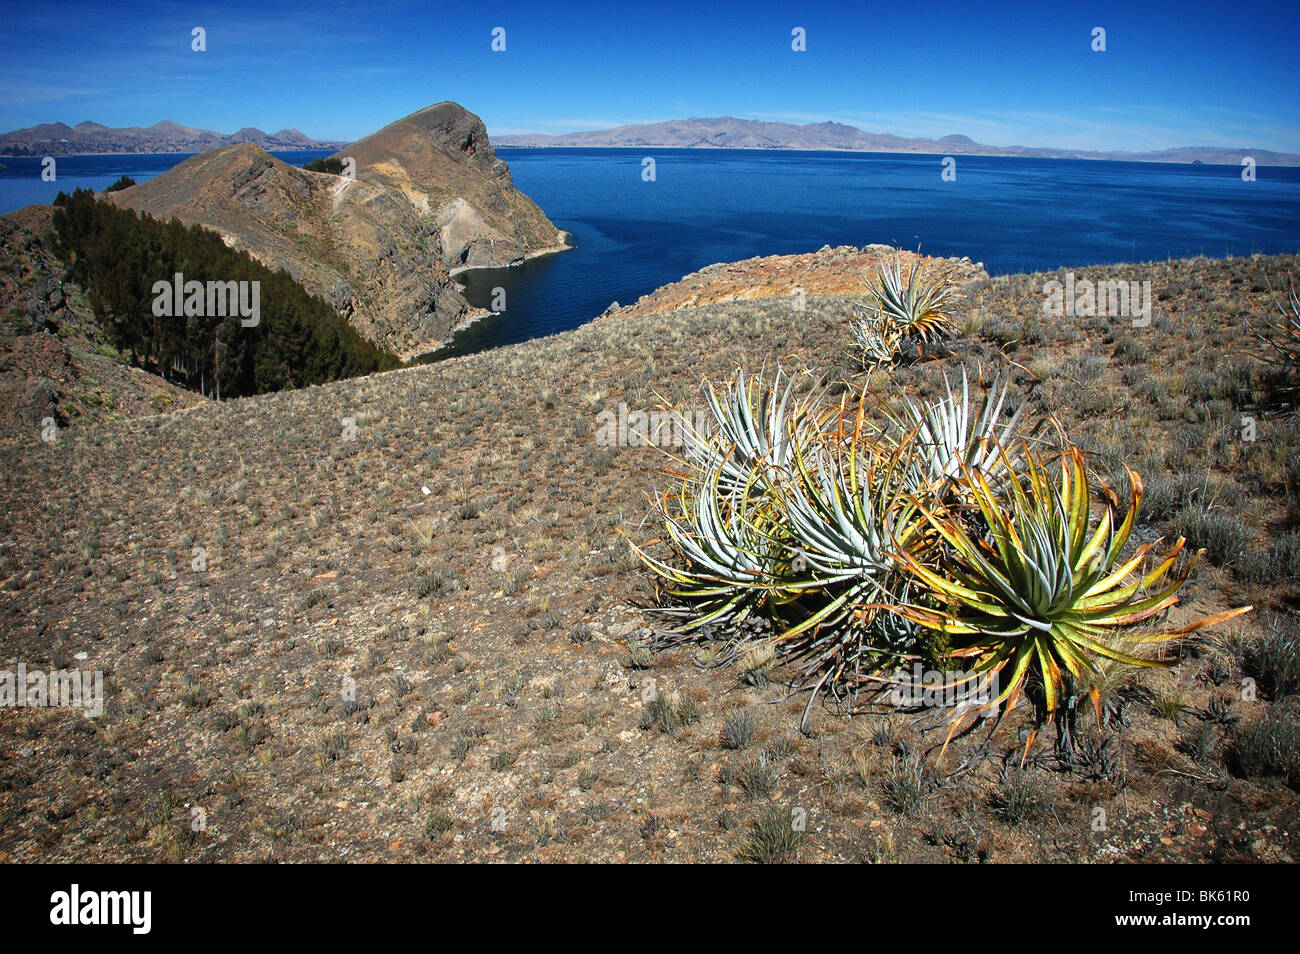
(709, 206)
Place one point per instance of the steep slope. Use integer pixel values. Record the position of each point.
(429, 193)
(55, 359)
(488, 623)
(362, 247)
(441, 160)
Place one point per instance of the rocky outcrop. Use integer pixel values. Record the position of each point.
(440, 158)
(429, 196)
(844, 270)
(31, 286)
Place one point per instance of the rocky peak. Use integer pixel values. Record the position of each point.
(455, 131)
(441, 159)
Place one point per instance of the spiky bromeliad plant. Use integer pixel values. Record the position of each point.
(757, 429)
(945, 439)
(720, 524)
(728, 562)
(1042, 592)
(793, 512)
(852, 537)
(842, 510)
(877, 340)
(1281, 338)
(918, 308)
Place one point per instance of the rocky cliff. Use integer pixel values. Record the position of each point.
(440, 159)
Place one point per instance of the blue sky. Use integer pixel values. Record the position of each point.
(1184, 73)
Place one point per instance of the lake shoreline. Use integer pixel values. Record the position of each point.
(424, 354)
(527, 257)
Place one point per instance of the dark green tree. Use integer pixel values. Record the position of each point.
(327, 164)
(118, 256)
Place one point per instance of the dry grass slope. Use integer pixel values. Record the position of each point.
(368, 671)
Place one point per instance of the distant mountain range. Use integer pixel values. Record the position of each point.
(60, 139)
(723, 132)
(728, 132)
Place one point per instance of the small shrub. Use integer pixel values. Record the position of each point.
(502, 761)
(906, 781)
(737, 729)
(1273, 660)
(1169, 704)
(1270, 746)
(433, 584)
(1279, 564)
(773, 839)
(638, 656)
(1130, 350)
(1020, 796)
(756, 777)
(195, 697)
(547, 620)
(779, 749)
(334, 745)
(438, 823)
(1165, 495)
(659, 713)
(460, 747)
(1095, 758)
(1219, 712)
(668, 716)
(1201, 743)
(312, 598)
(1220, 534)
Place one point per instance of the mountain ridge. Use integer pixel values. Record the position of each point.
(730, 132)
(92, 138)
